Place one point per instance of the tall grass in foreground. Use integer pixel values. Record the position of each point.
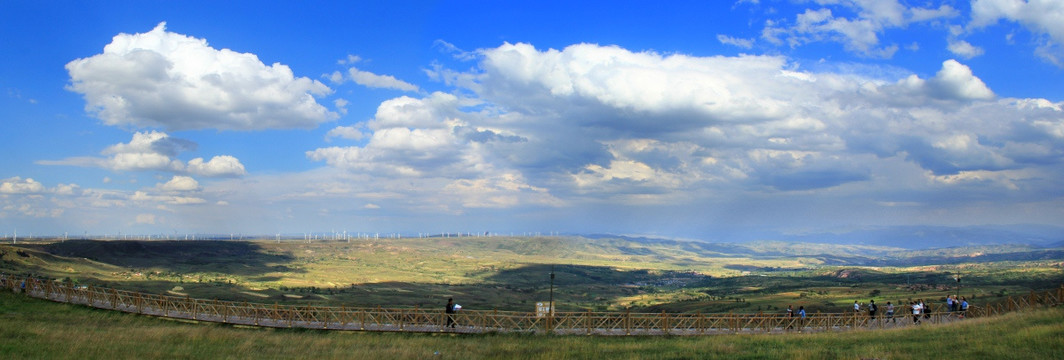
(32, 328)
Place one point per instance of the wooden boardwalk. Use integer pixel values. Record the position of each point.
(489, 321)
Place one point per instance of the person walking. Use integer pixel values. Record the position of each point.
(890, 313)
(916, 312)
(856, 307)
(872, 309)
(450, 313)
(790, 317)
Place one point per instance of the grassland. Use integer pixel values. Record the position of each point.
(512, 273)
(33, 328)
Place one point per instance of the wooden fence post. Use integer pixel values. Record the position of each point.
(665, 322)
(587, 321)
(325, 322)
(291, 314)
(276, 317)
(628, 321)
(195, 307)
(550, 318)
(343, 316)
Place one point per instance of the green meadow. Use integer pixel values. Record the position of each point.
(32, 328)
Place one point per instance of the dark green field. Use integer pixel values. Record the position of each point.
(37, 329)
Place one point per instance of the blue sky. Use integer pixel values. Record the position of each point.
(678, 119)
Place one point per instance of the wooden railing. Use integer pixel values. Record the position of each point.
(480, 321)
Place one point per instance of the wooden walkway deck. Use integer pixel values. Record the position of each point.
(488, 321)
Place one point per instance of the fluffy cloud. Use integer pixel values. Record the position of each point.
(1040, 16)
(169, 80)
(369, 79)
(964, 49)
(592, 123)
(1044, 17)
(156, 151)
(345, 132)
(180, 183)
(859, 31)
(76, 208)
(409, 137)
(218, 166)
(17, 185)
(956, 81)
(603, 127)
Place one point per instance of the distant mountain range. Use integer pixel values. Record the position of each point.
(928, 237)
(904, 237)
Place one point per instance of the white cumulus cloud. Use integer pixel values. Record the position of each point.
(156, 151)
(1042, 17)
(345, 132)
(218, 166)
(180, 183)
(964, 49)
(178, 82)
(857, 24)
(17, 185)
(591, 121)
(956, 80)
(368, 79)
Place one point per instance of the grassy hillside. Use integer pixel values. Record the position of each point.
(512, 273)
(32, 328)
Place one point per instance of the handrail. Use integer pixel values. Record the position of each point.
(480, 321)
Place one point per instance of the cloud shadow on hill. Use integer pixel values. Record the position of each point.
(227, 257)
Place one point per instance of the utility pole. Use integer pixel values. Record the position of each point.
(958, 286)
(550, 318)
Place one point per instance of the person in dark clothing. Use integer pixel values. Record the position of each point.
(450, 310)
